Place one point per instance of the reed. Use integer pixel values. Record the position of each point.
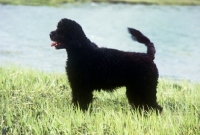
(38, 103)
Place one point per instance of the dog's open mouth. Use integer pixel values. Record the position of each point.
(55, 44)
(58, 45)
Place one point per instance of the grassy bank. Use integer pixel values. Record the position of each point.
(57, 2)
(34, 102)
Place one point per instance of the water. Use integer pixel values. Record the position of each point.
(175, 31)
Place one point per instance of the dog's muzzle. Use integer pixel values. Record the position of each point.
(52, 34)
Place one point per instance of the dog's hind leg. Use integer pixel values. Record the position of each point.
(82, 98)
(136, 97)
(142, 98)
(150, 95)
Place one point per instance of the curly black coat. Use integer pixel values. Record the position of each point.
(90, 67)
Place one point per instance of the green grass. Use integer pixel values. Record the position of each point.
(57, 2)
(39, 103)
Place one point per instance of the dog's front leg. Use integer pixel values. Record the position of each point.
(81, 98)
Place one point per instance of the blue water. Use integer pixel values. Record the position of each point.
(175, 31)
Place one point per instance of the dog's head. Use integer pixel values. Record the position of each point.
(67, 31)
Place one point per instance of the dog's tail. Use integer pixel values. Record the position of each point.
(139, 37)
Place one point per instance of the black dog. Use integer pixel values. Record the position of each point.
(92, 68)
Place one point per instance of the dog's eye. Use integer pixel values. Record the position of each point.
(60, 31)
(60, 26)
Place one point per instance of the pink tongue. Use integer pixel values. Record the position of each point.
(53, 44)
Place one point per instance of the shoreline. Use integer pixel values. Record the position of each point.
(63, 73)
(133, 2)
(18, 66)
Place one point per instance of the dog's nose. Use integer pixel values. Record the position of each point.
(51, 34)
